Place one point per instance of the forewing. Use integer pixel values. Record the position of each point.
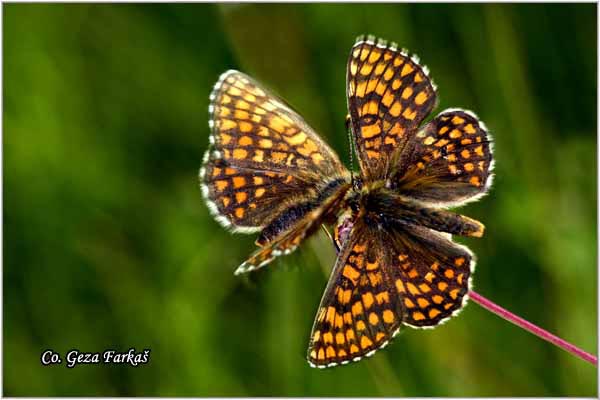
(389, 95)
(431, 275)
(245, 200)
(254, 129)
(449, 162)
(360, 310)
(263, 157)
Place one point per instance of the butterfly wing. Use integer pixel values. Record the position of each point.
(389, 272)
(449, 162)
(445, 163)
(245, 200)
(360, 310)
(389, 94)
(265, 167)
(294, 224)
(254, 129)
(432, 274)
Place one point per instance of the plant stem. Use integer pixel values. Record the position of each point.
(536, 330)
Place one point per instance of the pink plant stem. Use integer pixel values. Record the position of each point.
(536, 330)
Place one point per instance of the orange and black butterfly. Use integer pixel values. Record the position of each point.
(267, 171)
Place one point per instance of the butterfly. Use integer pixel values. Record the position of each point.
(267, 171)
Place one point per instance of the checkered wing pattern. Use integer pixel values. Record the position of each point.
(448, 163)
(254, 129)
(389, 95)
(266, 169)
(360, 310)
(245, 200)
(431, 275)
(263, 156)
(407, 274)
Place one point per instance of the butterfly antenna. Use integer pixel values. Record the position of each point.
(350, 148)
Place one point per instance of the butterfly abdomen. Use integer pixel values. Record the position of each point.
(387, 208)
(295, 213)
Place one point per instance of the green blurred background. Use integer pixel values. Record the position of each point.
(108, 244)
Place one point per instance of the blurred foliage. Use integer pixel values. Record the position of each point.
(107, 243)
